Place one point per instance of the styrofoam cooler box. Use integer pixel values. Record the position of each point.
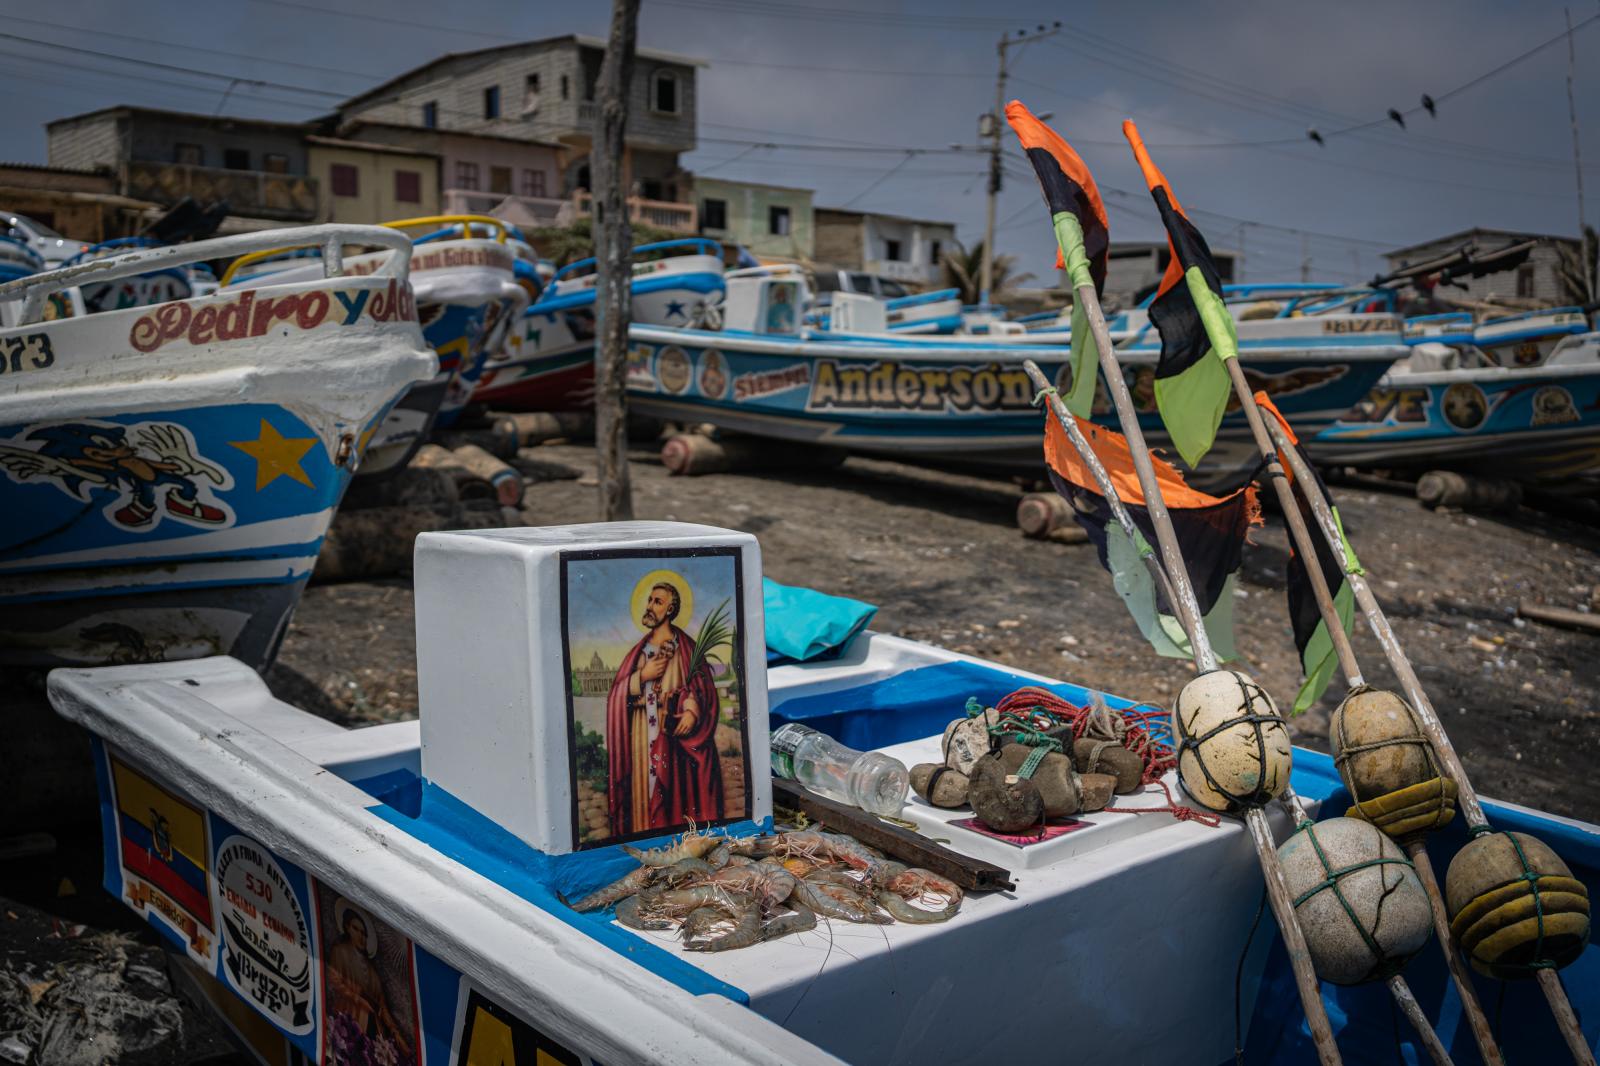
(592, 684)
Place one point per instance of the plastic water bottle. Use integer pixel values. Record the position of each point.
(875, 782)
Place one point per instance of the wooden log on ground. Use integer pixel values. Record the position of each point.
(507, 482)
(415, 486)
(378, 541)
(499, 438)
(469, 485)
(536, 427)
(693, 454)
(1559, 616)
(1046, 516)
(899, 844)
(1446, 488)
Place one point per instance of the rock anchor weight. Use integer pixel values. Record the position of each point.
(1233, 745)
(1515, 907)
(1359, 901)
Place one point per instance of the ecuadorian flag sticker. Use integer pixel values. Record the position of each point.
(161, 842)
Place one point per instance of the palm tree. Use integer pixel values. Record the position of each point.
(963, 270)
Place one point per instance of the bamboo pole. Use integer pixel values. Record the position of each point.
(1419, 1021)
(1482, 1033)
(1294, 938)
(1471, 809)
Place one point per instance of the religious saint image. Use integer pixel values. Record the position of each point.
(369, 990)
(655, 692)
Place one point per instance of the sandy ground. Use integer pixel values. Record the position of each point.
(939, 553)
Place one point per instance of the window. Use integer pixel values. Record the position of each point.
(861, 283)
(189, 154)
(530, 94)
(650, 188)
(714, 214)
(1525, 280)
(778, 221)
(566, 87)
(236, 158)
(827, 281)
(273, 163)
(466, 175)
(891, 251)
(533, 183)
(491, 102)
(345, 179)
(891, 290)
(407, 187)
(585, 180)
(500, 180)
(430, 114)
(935, 252)
(664, 92)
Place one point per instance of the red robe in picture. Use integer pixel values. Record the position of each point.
(658, 778)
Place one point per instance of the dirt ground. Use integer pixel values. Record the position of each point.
(940, 555)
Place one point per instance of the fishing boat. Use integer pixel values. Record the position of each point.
(466, 294)
(955, 397)
(289, 863)
(154, 287)
(936, 311)
(167, 472)
(1529, 339)
(547, 363)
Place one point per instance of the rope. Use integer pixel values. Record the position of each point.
(1539, 961)
(1048, 390)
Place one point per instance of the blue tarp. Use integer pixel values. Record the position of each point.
(804, 624)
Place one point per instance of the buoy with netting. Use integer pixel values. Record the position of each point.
(1233, 745)
(1514, 906)
(1358, 899)
(1389, 765)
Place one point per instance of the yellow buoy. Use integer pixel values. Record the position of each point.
(1514, 906)
(1389, 765)
(1233, 745)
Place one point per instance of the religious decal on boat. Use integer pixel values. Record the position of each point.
(489, 1033)
(149, 471)
(639, 374)
(162, 850)
(656, 723)
(1392, 406)
(1465, 405)
(250, 314)
(713, 375)
(369, 986)
(266, 940)
(782, 307)
(1553, 406)
(672, 369)
(757, 384)
(890, 386)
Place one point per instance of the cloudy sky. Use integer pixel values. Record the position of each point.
(1223, 93)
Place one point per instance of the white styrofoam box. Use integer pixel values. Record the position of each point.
(857, 312)
(500, 615)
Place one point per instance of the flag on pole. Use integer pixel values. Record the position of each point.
(1197, 334)
(1317, 656)
(1082, 237)
(1210, 531)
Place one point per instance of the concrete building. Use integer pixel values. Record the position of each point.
(260, 168)
(83, 205)
(1135, 267)
(904, 249)
(1537, 282)
(772, 221)
(367, 183)
(543, 92)
(481, 173)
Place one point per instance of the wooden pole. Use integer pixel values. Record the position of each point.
(1419, 1021)
(1417, 849)
(1205, 659)
(1298, 533)
(613, 242)
(1471, 809)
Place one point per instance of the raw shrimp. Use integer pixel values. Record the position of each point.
(914, 882)
(768, 882)
(902, 911)
(680, 901)
(679, 872)
(833, 875)
(746, 915)
(756, 847)
(834, 901)
(718, 856)
(786, 922)
(624, 886)
(629, 914)
(688, 846)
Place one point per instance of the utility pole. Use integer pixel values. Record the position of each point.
(1577, 166)
(990, 125)
(613, 242)
(1305, 257)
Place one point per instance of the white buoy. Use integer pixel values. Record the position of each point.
(1233, 746)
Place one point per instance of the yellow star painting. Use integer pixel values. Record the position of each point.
(276, 455)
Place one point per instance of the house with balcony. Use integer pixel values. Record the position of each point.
(260, 168)
(904, 249)
(1538, 281)
(541, 95)
(772, 221)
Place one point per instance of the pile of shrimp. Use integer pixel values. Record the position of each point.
(724, 892)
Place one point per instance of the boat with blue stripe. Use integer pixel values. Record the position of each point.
(167, 471)
(547, 363)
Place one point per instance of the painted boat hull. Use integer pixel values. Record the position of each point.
(473, 938)
(166, 497)
(548, 362)
(966, 402)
